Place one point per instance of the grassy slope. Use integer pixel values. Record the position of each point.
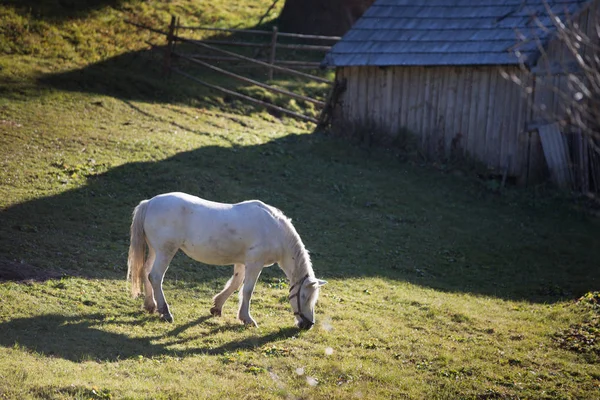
(437, 287)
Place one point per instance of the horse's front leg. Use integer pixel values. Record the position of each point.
(252, 273)
(231, 286)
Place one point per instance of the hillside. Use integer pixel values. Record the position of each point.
(439, 285)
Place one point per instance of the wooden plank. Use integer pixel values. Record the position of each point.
(361, 110)
(237, 43)
(232, 60)
(490, 133)
(341, 75)
(403, 79)
(594, 167)
(541, 96)
(557, 155)
(353, 104)
(466, 105)
(357, 101)
(377, 96)
(434, 88)
(411, 77)
(460, 104)
(349, 96)
(508, 120)
(505, 108)
(373, 92)
(307, 47)
(365, 109)
(482, 112)
(450, 113)
(581, 161)
(426, 104)
(412, 122)
(510, 129)
(406, 76)
(273, 51)
(438, 142)
(496, 107)
(585, 165)
(419, 95)
(382, 75)
(396, 99)
(379, 81)
(474, 126)
(387, 111)
(518, 144)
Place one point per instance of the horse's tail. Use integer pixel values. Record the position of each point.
(135, 261)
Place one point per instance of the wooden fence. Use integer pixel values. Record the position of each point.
(172, 53)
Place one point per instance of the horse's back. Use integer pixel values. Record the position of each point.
(215, 233)
(179, 204)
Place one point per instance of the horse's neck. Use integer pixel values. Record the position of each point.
(296, 260)
(296, 265)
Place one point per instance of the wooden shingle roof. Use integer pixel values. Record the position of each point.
(449, 32)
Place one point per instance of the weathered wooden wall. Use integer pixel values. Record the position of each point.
(469, 110)
(553, 94)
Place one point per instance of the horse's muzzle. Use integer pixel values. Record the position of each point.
(305, 324)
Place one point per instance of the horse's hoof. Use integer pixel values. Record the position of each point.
(216, 312)
(150, 309)
(250, 324)
(167, 318)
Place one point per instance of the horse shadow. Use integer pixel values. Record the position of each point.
(82, 338)
(341, 206)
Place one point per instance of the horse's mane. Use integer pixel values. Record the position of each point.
(300, 253)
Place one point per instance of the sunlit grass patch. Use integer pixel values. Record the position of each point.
(437, 286)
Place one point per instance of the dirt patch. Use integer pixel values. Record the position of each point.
(26, 273)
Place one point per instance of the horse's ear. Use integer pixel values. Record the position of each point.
(318, 283)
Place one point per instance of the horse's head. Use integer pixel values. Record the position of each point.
(303, 297)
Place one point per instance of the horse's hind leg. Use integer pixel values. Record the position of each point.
(161, 263)
(231, 286)
(149, 302)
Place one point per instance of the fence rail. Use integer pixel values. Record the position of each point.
(251, 60)
(259, 32)
(271, 64)
(251, 81)
(248, 98)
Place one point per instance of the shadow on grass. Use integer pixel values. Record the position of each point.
(80, 338)
(61, 9)
(139, 76)
(360, 216)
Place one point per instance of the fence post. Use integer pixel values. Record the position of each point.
(273, 48)
(169, 48)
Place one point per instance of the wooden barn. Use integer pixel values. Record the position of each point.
(445, 70)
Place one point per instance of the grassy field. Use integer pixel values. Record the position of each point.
(440, 287)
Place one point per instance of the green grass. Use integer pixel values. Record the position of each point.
(438, 287)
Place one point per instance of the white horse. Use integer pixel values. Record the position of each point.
(250, 235)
